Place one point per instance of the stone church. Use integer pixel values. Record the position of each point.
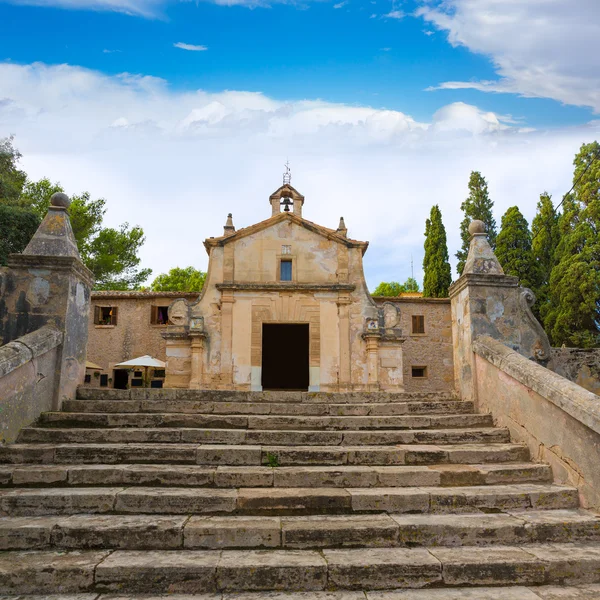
(285, 306)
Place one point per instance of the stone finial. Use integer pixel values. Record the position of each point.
(229, 228)
(54, 236)
(342, 229)
(481, 258)
(61, 200)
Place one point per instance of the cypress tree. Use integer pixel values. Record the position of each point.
(545, 236)
(572, 316)
(437, 272)
(477, 206)
(513, 248)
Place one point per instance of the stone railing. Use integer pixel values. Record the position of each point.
(581, 365)
(29, 372)
(558, 419)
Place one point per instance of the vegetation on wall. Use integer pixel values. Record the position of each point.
(111, 254)
(179, 280)
(436, 268)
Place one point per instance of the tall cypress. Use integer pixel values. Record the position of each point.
(437, 272)
(477, 206)
(545, 236)
(572, 316)
(513, 248)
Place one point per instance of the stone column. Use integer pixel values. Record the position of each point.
(344, 381)
(179, 359)
(485, 301)
(372, 340)
(49, 285)
(197, 360)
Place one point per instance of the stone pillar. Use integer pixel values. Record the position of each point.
(372, 340)
(49, 285)
(227, 301)
(179, 359)
(197, 360)
(485, 301)
(297, 208)
(344, 381)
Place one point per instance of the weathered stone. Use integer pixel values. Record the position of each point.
(208, 454)
(376, 455)
(232, 532)
(57, 501)
(293, 499)
(344, 476)
(580, 592)
(390, 500)
(52, 572)
(479, 593)
(244, 477)
(294, 438)
(188, 571)
(118, 531)
(26, 453)
(489, 566)
(131, 453)
(291, 570)
(568, 563)
(320, 531)
(382, 568)
(213, 436)
(175, 501)
(559, 525)
(305, 455)
(406, 476)
(25, 533)
(466, 530)
(476, 453)
(39, 475)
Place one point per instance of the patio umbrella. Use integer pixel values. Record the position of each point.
(145, 361)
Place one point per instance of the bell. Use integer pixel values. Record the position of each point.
(286, 203)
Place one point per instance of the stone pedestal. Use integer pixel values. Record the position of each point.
(372, 340)
(485, 301)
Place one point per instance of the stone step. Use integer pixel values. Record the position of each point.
(263, 422)
(201, 571)
(179, 395)
(228, 454)
(590, 591)
(269, 408)
(177, 435)
(263, 476)
(156, 500)
(165, 532)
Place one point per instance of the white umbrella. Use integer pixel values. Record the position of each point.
(142, 361)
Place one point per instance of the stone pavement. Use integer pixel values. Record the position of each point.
(321, 496)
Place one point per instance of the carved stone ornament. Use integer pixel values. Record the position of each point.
(391, 315)
(541, 348)
(178, 313)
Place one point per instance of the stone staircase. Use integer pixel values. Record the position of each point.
(340, 495)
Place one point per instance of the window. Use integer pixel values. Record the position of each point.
(138, 374)
(286, 249)
(159, 372)
(285, 273)
(418, 324)
(159, 315)
(137, 383)
(103, 380)
(419, 372)
(105, 315)
(88, 378)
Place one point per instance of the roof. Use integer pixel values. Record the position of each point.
(331, 234)
(141, 294)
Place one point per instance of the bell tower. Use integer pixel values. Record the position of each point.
(286, 198)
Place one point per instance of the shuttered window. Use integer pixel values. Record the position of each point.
(418, 324)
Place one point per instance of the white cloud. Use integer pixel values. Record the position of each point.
(177, 162)
(191, 47)
(395, 14)
(340, 4)
(540, 48)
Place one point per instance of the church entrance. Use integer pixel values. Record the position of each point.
(285, 356)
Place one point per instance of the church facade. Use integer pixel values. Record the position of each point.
(285, 306)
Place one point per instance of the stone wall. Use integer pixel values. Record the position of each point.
(557, 419)
(28, 376)
(133, 335)
(433, 349)
(581, 365)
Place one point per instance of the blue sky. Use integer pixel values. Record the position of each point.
(382, 107)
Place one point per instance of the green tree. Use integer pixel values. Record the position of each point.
(179, 280)
(437, 271)
(393, 288)
(513, 248)
(545, 236)
(572, 315)
(17, 226)
(12, 178)
(478, 205)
